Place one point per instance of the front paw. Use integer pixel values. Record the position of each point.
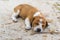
(14, 21)
(27, 27)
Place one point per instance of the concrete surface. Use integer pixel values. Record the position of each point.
(15, 31)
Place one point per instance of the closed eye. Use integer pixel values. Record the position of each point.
(42, 25)
(43, 22)
(37, 23)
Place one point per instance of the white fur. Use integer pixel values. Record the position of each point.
(36, 14)
(14, 15)
(41, 20)
(35, 29)
(39, 26)
(27, 23)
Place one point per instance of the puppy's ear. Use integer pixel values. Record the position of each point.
(46, 24)
(32, 21)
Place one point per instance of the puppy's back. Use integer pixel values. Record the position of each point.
(25, 10)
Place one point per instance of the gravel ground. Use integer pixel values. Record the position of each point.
(15, 31)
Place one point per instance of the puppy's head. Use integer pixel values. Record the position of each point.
(39, 24)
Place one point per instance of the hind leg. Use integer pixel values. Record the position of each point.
(14, 16)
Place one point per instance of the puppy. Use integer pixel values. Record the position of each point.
(32, 16)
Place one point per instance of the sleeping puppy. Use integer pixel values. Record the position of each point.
(32, 16)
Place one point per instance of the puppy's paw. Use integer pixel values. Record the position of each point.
(15, 21)
(27, 27)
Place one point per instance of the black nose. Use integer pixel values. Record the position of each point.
(38, 29)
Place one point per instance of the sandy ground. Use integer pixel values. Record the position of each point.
(15, 31)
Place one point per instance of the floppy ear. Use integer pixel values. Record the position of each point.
(32, 21)
(46, 24)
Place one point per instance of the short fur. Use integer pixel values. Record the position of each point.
(27, 11)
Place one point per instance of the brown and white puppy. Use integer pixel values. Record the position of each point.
(39, 23)
(31, 16)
